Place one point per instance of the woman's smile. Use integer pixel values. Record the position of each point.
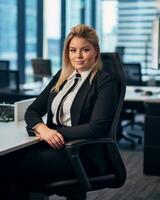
(80, 62)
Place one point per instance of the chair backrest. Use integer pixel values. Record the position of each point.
(9, 80)
(133, 73)
(41, 68)
(4, 65)
(4, 80)
(112, 64)
(120, 51)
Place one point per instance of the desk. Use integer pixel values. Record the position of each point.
(151, 105)
(151, 164)
(135, 100)
(13, 136)
(27, 91)
(11, 96)
(131, 95)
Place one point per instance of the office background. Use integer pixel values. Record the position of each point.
(37, 28)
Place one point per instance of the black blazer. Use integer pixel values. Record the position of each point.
(92, 111)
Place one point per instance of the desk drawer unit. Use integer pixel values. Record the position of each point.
(151, 162)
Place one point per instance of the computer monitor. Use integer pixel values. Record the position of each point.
(156, 44)
(41, 68)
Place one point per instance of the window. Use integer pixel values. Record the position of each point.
(30, 36)
(8, 32)
(109, 24)
(52, 33)
(25, 33)
(128, 24)
(83, 11)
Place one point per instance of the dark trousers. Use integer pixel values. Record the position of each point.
(11, 190)
(39, 162)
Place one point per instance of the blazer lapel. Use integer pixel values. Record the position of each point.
(79, 100)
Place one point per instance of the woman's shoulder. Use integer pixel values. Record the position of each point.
(57, 73)
(56, 76)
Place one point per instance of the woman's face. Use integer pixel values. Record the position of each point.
(82, 54)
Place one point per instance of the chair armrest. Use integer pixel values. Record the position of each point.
(72, 149)
(78, 143)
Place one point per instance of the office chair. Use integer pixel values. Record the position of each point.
(120, 50)
(4, 65)
(9, 80)
(133, 74)
(133, 77)
(41, 68)
(116, 175)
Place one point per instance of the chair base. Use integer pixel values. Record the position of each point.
(130, 138)
(138, 137)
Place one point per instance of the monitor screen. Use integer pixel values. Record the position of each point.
(156, 44)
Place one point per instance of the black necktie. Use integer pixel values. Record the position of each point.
(76, 79)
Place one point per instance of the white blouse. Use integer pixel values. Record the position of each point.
(65, 118)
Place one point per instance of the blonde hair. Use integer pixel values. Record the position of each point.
(89, 34)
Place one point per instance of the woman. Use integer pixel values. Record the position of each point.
(80, 102)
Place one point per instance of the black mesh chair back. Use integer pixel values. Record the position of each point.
(133, 74)
(41, 68)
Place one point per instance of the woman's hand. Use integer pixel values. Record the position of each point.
(51, 136)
